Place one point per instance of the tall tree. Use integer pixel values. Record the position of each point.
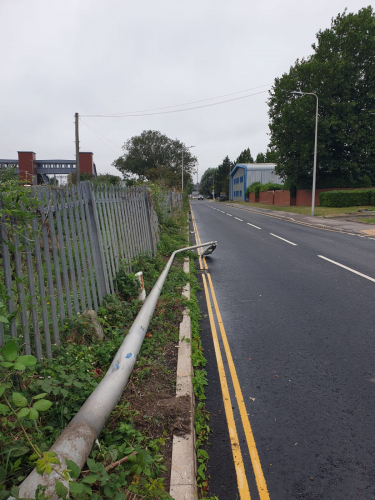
(260, 158)
(223, 172)
(270, 156)
(342, 73)
(208, 181)
(245, 157)
(156, 157)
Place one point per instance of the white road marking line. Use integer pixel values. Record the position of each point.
(248, 223)
(348, 268)
(280, 238)
(239, 219)
(230, 215)
(222, 212)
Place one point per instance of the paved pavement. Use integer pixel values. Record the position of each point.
(296, 303)
(338, 224)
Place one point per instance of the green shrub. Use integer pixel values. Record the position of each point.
(252, 187)
(224, 198)
(256, 190)
(256, 187)
(270, 186)
(128, 285)
(349, 198)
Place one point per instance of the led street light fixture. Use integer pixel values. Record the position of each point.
(209, 250)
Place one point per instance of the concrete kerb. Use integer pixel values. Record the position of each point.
(183, 485)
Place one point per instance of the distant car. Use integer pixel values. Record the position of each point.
(200, 197)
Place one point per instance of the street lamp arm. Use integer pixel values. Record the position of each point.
(304, 93)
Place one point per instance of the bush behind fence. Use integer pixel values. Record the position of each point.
(63, 258)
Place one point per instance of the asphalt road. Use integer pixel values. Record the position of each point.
(301, 331)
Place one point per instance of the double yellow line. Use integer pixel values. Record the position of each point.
(242, 482)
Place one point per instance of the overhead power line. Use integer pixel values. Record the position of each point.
(191, 102)
(173, 111)
(98, 134)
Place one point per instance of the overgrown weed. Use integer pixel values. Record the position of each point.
(77, 367)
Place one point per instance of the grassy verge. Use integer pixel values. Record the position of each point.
(131, 458)
(368, 220)
(319, 211)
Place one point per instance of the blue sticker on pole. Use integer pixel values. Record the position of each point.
(129, 355)
(117, 366)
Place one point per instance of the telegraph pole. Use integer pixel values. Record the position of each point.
(77, 149)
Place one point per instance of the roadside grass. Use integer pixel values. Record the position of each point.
(132, 456)
(369, 220)
(319, 211)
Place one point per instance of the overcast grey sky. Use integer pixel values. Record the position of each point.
(59, 57)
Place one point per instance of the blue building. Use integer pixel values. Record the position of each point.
(245, 174)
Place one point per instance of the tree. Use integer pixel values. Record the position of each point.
(260, 158)
(156, 157)
(270, 156)
(222, 176)
(342, 73)
(208, 181)
(53, 181)
(245, 157)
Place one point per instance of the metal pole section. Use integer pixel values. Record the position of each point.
(182, 173)
(315, 147)
(229, 183)
(77, 439)
(315, 154)
(78, 176)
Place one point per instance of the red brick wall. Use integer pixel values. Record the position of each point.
(282, 198)
(266, 197)
(252, 198)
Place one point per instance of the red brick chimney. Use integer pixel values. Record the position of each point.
(86, 163)
(27, 167)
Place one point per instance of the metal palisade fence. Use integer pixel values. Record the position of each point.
(64, 260)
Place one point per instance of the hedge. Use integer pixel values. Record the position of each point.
(270, 186)
(255, 187)
(348, 198)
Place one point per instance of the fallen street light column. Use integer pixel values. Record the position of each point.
(315, 148)
(76, 441)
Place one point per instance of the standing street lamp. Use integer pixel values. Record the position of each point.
(315, 148)
(182, 169)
